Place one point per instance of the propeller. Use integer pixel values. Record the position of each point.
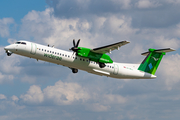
(75, 46)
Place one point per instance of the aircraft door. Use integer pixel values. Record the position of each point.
(116, 69)
(33, 48)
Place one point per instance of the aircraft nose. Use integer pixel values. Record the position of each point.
(9, 47)
(6, 48)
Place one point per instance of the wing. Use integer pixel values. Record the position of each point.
(109, 48)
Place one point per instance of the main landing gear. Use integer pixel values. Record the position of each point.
(74, 70)
(102, 65)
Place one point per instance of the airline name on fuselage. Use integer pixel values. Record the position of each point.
(52, 56)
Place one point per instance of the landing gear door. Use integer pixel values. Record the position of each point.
(116, 69)
(33, 48)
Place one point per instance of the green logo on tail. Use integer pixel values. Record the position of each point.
(152, 61)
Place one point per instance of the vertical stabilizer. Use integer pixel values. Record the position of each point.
(153, 59)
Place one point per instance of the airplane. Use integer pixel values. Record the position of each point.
(94, 61)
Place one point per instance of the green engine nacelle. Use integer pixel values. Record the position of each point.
(97, 57)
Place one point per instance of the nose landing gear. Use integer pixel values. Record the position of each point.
(8, 53)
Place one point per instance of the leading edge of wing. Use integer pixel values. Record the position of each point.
(109, 48)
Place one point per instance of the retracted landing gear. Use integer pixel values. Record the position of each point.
(74, 70)
(102, 65)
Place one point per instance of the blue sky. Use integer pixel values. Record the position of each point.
(41, 90)
(17, 10)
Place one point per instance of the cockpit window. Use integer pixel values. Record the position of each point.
(20, 43)
(23, 43)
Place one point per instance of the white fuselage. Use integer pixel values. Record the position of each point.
(68, 59)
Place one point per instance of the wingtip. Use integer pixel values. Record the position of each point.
(172, 49)
(127, 41)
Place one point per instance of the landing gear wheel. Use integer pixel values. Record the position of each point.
(74, 70)
(102, 65)
(8, 54)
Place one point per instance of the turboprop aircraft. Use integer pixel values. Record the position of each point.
(94, 61)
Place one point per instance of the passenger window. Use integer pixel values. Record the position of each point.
(110, 66)
(65, 55)
(83, 60)
(76, 58)
(39, 49)
(80, 59)
(47, 50)
(87, 60)
(62, 54)
(50, 51)
(59, 53)
(42, 49)
(68, 56)
(55, 52)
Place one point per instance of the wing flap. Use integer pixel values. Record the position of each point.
(109, 48)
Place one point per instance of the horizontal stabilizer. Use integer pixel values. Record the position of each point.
(158, 51)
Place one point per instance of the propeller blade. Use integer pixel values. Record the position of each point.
(77, 43)
(74, 42)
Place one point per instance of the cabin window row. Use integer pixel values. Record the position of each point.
(73, 57)
(56, 53)
(109, 66)
(96, 63)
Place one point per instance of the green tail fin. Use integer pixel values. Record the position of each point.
(153, 59)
